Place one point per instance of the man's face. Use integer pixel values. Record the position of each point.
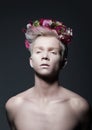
(46, 56)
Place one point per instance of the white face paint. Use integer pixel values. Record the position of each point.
(46, 57)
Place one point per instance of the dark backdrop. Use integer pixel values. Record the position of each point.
(15, 72)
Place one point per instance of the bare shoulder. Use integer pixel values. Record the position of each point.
(16, 102)
(13, 102)
(12, 106)
(82, 109)
(79, 105)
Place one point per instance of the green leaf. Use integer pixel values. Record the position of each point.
(36, 23)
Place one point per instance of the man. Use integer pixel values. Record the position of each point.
(48, 105)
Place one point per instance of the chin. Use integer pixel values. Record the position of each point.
(47, 75)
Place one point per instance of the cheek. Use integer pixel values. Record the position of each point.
(56, 61)
(33, 61)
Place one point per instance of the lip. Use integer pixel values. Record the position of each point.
(46, 65)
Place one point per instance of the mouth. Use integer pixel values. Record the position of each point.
(44, 65)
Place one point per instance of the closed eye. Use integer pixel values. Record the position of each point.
(53, 52)
(38, 52)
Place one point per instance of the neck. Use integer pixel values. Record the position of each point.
(46, 87)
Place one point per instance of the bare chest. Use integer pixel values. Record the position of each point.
(53, 116)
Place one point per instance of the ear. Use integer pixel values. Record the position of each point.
(30, 62)
(63, 63)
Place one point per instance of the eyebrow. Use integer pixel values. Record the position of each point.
(50, 48)
(41, 48)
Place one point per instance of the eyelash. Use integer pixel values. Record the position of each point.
(38, 51)
(53, 52)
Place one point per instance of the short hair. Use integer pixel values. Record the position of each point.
(48, 27)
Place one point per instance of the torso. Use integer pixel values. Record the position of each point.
(53, 115)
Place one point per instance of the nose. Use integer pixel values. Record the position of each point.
(45, 56)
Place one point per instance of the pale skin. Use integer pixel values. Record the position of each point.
(47, 105)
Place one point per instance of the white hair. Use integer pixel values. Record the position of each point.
(34, 32)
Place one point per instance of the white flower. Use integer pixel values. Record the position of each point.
(28, 25)
(58, 23)
(61, 36)
(69, 31)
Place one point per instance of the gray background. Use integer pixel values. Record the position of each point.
(15, 72)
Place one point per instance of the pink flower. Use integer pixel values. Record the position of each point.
(27, 44)
(46, 23)
(65, 34)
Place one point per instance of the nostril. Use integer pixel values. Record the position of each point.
(46, 58)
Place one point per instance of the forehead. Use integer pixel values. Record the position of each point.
(46, 42)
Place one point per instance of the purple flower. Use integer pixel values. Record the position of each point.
(58, 29)
(65, 34)
(41, 21)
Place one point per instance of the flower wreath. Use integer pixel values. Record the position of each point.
(64, 34)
